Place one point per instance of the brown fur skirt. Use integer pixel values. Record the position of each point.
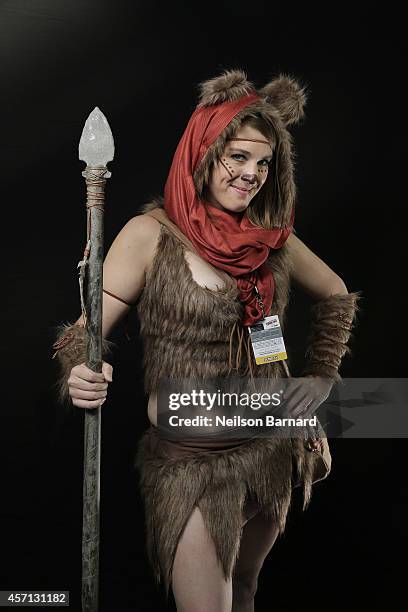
(174, 479)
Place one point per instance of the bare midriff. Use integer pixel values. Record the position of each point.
(152, 409)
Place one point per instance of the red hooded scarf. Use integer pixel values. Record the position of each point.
(228, 241)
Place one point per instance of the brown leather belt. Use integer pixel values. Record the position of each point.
(190, 446)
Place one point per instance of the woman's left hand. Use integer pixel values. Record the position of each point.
(304, 395)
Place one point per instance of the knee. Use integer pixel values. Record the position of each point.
(244, 587)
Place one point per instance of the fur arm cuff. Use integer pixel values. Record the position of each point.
(70, 350)
(332, 322)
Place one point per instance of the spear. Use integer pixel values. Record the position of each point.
(96, 148)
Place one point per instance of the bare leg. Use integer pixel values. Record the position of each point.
(198, 583)
(258, 537)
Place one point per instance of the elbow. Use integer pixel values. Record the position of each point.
(337, 286)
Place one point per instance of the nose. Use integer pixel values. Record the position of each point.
(250, 178)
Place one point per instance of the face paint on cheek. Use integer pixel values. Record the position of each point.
(263, 175)
(227, 166)
(233, 167)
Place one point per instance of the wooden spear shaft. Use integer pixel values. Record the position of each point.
(96, 148)
(95, 182)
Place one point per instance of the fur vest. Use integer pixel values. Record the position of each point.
(186, 329)
(188, 332)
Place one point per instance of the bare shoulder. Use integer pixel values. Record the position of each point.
(135, 244)
(141, 233)
(144, 227)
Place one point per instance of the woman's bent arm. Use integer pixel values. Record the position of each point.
(125, 267)
(124, 271)
(311, 273)
(332, 315)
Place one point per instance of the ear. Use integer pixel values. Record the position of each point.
(230, 85)
(287, 96)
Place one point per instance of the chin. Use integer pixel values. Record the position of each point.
(233, 206)
(236, 206)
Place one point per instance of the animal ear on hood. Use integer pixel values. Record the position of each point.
(230, 85)
(286, 95)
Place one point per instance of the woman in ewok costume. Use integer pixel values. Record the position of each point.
(202, 264)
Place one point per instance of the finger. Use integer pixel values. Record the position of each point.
(88, 404)
(302, 405)
(296, 401)
(300, 410)
(82, 371)
(80, 383)
(318, 401)
(292, 386)
(107, 371)
(87, 395)
(310, 410)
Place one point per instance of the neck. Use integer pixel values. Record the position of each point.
(210, 204)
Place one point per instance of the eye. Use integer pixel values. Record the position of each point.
(238, 156)
(265, 162)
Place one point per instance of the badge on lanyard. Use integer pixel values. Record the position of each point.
(266, 337)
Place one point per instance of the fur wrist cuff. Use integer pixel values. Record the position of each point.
(332, 322)
(70, 350)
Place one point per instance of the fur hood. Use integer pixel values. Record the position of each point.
(281, 103)
(284, 93)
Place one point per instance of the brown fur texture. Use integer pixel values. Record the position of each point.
(185, 330)
(72, 354)
(288, 96)
(283, 92)
(192, 332)
(282, 103)
(332, 320)
(230, 85)
(265, 469)
(284, 162)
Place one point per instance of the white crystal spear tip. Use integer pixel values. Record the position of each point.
(96, 146)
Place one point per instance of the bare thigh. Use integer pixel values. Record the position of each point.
(258, 536)
(251, 509)
(198, 583)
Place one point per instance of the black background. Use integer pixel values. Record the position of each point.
(140, 63)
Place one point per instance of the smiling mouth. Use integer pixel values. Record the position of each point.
(241, 190)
